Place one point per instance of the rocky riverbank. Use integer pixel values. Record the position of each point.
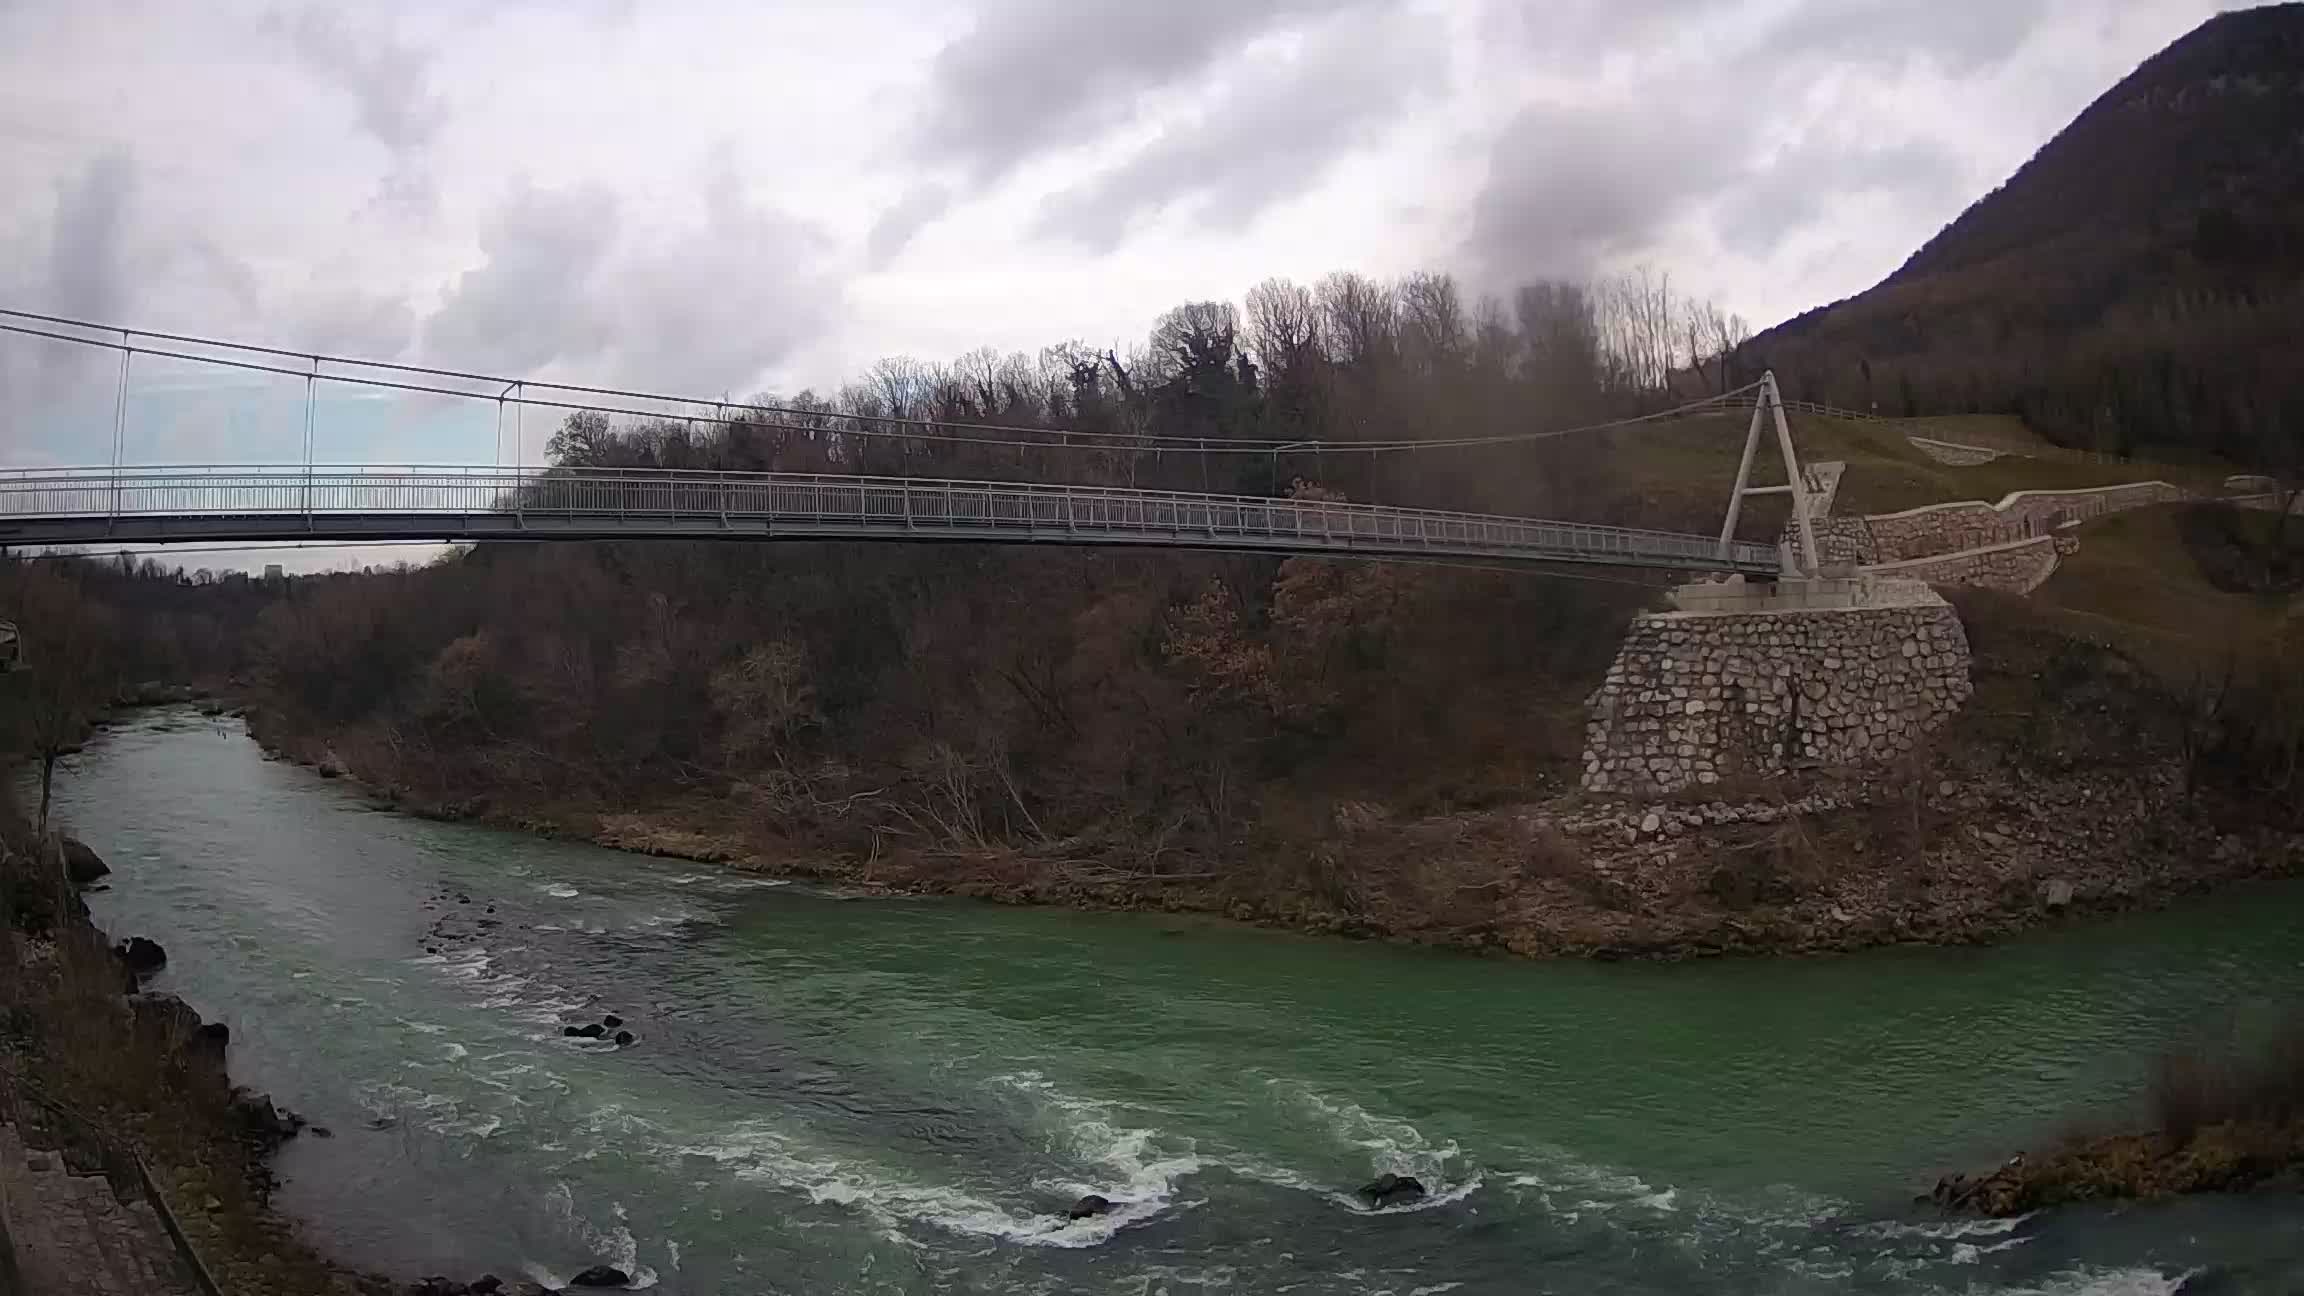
(2235, 1156)
(2224, 1118)
(1954, 848)
(101, 1065)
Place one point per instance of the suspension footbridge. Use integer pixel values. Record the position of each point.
(122, 503)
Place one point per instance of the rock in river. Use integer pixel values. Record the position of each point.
(600, 1276)
(81, 864)
(1392, 1190)
(259, 1117)
(1089, 1207)
(143, 957)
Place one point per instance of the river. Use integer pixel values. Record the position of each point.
(832, 1094)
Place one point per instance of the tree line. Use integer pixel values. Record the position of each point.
(1153, 709)
(1348, 360)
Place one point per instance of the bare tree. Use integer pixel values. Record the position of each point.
(67, 642)
(1283, 327)
(1560, 337)
(1435, 332)
(1196, 337)
(1361, 319)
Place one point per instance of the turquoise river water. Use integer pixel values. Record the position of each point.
(837, 1094)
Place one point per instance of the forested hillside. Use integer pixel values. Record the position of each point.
(2138, 286)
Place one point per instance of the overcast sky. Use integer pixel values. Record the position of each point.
(727, 197)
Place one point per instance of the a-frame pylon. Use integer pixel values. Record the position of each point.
(1769, 404)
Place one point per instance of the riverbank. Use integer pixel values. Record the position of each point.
(1963, 846)
(100, 1066)
(2224, 1117)
(144, 1072)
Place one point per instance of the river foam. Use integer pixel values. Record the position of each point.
(613, 1245)
(758, 1150)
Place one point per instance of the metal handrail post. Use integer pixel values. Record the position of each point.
(310, 380)
(520, 453)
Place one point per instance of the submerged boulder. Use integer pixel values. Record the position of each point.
(1392, 1190)
(601, 1276)
(1089, 1207)
(623, 1038)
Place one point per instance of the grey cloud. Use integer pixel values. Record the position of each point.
(1962, 35)
(1577, 30)
(1965, 38)
(707, 311)
(77, 266)
(1570, 187)
(373, 326)
(389, 82)
(1034, 75)
(1266, 138)
(87, 254)
(919, 208)
(702, 310)
(533, 300)
(1792, 188)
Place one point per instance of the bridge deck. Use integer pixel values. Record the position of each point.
(74, 506)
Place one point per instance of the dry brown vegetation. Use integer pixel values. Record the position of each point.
(2226, 1115)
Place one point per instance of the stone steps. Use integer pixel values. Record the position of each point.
(74, 1236)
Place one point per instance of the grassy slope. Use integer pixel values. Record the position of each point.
(2133, 585)
(1684, 469)
(2003, 430)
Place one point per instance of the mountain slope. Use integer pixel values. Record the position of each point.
(2139, 284)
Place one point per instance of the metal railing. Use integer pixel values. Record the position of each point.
(119, 1159)
(256, 502)
(1737, 400)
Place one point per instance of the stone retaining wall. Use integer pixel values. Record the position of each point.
(1693, 698)
(2018, 567)
(1845, 541)
(1924, 533)
(2046, 510)
(1823, 481)
(1948, 528)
